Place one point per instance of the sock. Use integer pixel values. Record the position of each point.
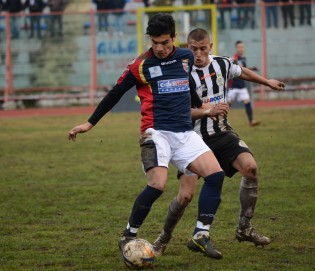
(175, 212)
(248, 198)
(209, 201)
(141, 209)
(249, 111)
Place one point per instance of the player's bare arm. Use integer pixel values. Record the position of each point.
(210, 110)
(275, 84)
(251, 76)
(79, 129)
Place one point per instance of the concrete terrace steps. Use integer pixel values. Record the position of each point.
(287, 49)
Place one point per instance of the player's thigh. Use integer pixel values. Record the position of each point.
(205, 164)
(157, 177)
(246, 165)
(155, 150)
(186, 148)
(243, 95)
(231, 95)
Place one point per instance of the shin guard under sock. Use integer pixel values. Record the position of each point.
(209, 201)
(141, 208)
(248, 199)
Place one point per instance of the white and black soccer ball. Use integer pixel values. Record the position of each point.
(138, 253)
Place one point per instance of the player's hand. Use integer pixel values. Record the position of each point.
(79, 129)
(275, 84)
(221, 109)
(213, 111)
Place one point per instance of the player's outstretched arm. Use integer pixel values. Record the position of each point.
(79, 129)
(251, 76)
(275, 84)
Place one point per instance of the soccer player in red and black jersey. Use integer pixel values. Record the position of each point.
(161, 76)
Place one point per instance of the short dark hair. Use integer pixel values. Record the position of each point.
(161, 24)
(198, 34)
(238, 42)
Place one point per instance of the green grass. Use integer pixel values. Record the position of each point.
(63, 205)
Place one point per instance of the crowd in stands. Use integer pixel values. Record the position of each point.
(241, 14)
(31, 11)
(244, 11)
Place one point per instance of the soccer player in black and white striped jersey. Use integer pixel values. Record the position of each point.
(209, 78)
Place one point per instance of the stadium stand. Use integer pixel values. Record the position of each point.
(60, 69)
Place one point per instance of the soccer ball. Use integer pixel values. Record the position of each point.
(138, 253)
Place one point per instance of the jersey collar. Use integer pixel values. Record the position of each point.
(170, 55)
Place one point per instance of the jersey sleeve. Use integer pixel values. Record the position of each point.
(126, 81)
(235, 70)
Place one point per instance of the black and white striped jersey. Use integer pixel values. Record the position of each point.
(211, 85)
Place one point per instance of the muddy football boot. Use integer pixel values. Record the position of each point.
(160, 243)
(204, 246)
(251, 235)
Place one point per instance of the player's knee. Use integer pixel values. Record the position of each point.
(184, 198)
(251, 171)
(157, 178)
(158, 185)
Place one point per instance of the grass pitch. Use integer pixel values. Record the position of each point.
(63, 205)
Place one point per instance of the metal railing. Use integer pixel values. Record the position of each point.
(85, 60)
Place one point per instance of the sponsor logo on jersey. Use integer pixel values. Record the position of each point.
(173, 86)
(207, 76)
(202, 88)
(169, 62)
(220, 80)
(155, 71)
(213, 99)
(185, 65)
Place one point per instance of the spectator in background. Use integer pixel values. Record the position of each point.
(36, 7)
(223, 7)
(102, 6)
(56, 7)
(146, 3)
(272, 13)
(287, 9)
(245, 13)
(240, 12)
(119, 5)
(192, 14)
(249, 13)
(163, 2)
(305, 9)
(208, 16)
(1, 8)
(14, 7)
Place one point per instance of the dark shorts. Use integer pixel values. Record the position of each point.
(226, 146)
